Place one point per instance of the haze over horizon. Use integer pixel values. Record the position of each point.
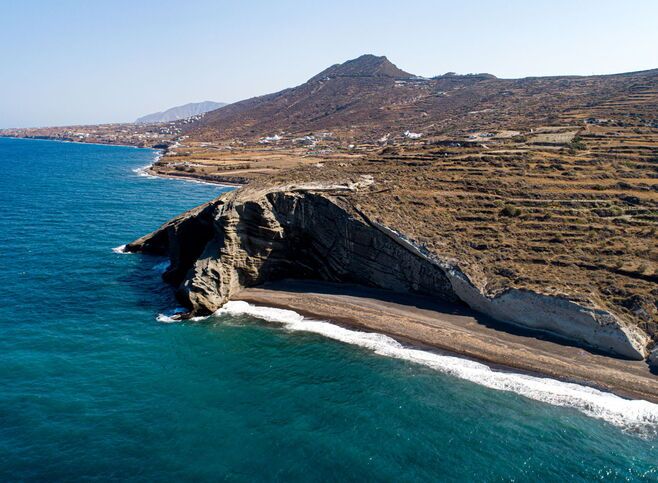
(76, 62)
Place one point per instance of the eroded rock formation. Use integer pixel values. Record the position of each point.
(653, 360)
(250, 236)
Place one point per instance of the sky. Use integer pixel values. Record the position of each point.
(81, 62)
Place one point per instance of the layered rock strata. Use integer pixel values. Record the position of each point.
(250, 236)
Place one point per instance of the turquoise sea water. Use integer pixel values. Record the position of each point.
(93, 387)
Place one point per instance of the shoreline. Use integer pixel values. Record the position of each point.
(142, 170)
(148, 171)
(502, 347)
(80, 142)
(423, 324)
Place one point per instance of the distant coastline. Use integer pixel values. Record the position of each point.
(193, 179)
(73, 141)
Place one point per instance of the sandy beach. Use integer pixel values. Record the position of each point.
(424, 323)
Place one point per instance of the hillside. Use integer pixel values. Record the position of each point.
(180, 112)
(540, 185)
(369, 97)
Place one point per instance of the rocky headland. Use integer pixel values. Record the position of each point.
(315, 231)
(531, 202)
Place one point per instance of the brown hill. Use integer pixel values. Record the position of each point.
(540, 188)
(365, 66)
(369, 97)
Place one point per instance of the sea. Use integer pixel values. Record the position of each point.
(97, 382)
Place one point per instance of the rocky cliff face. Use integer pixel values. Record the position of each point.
(250, 236)
(653, 360)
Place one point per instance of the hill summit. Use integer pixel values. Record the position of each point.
(369, 99)
(367, 65)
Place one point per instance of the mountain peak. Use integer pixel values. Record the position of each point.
(181, 112)
(367, 65)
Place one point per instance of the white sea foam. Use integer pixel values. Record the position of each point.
(634, 415)
(144, 172)
(120, 249)
(168, 317)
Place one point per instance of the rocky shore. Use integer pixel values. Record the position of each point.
(259, 234)
(531, 202)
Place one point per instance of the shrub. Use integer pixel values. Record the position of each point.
(577, 144)
(509, 210)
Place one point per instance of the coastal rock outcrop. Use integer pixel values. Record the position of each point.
(653, 359)
(250, 236)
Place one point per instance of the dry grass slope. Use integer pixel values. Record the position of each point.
(542, 183)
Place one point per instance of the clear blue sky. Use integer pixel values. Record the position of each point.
(68, 61)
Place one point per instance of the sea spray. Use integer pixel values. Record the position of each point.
(170, 316)
(121, 249)
(173, 316)
(144, 170)
(633, 415)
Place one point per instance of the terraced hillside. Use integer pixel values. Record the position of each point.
(567, 210)
(549, 184)
(546, 184)
(355, 109)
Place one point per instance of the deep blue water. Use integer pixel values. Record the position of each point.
(93, 387)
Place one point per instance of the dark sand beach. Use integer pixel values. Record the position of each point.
(422, 322)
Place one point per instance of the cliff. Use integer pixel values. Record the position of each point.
(318, 231)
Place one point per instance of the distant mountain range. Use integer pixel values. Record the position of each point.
(181, 112)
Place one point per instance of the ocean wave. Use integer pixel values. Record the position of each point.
(161, 267)
(636, 416)
(169, 317)
(144, 170)
(120, 249)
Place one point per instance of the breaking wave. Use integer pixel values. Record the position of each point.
(169, 317)
(633, 415)
(144, 170)
(120, 249)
